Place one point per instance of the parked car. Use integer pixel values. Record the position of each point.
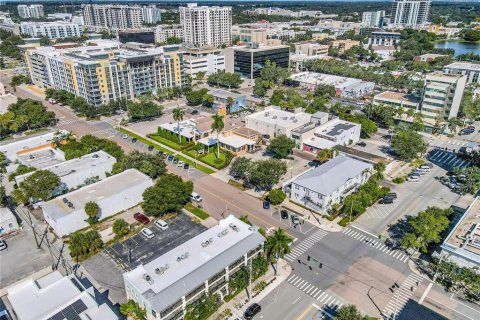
(125, 136)
(3, 245)
(194, 111)
(175, 160)
(361, 144)
(134, 140)
(252, 311)
(196, 197)
(428, 164)
(186, 166)
(140, 217)
(170, 158)
(180, 163)
(162, 225)
(284, 214)
(413, 178)
(392, 195)
(150, 148)
(266, 205)
(418, 172)
(295, 219)
(425, 167)
(201, 151)
(147, 233)
(386, 200)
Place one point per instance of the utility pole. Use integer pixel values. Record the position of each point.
(250, 279)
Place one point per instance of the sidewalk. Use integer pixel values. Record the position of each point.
(240, 303)
(314, 218)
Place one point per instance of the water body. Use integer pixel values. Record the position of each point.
(460, 47)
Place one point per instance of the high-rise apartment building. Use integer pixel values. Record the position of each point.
(442, 96)
(410, 13)
(53, 30)
(206, 26)
(118, 17)
(104, 72)
(373, 19)
(31, 11)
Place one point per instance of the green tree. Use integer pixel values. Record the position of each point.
(120, 227)
(325, 154)
(3, 197)
(349, 312)
(3, 160)
(276, 196)
(263, 174)
(471, 181)
(178, 115)
(277, 246)
(144, 109)
(230, 102)
(281, 147)
(245, 219)
(92, 209)
(471, 35)
(426, 228)
(408, 144)
(18, 80)
(218, 125)
(325, 90)
(239, 280)
(40, 185)
(149, 164)
(132, 310)
(169, 194)
(81, 245)
(203, 308)
(260, 88)
(240, 167)
(259, 267)
(195, 98)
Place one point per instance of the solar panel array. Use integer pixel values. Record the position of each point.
(71, 312)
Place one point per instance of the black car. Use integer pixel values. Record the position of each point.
(194, 112)
(170, 158)
(361, 144)
(134, 140)
(175, 160)
(186, 166)
(284, 214)
(252, 311)
(150, 148)
(385, 201)
(392, 195)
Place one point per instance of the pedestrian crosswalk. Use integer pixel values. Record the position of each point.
(321, 296)
(376, 244)
(440, 143)
(401, 296)
(297, 250)
(447, 158)
(65, 122)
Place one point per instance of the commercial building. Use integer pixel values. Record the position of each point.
(13, 149)
(440, 30)
(114, 17)
(206, 26)
(221, 104)
(104, 71)
(249, 60)
(79, 171)
(56, 297)
(246, 34)
(8, 222)
(462, 245)
(275, 122)
(343, 45)
(200, 266)
(349, 88)
(206, 60)
(60, 16)
(311, 49)
(442, 95)
(410, 13)
(146, 36)
(66, 214)
(329, 183)
(397, 100)
(471, 70)
(337, 28)
(384, 38)
(53, 30)
(41, 157)
(163, 32)
(31, 11)
(373, 19)
(151, 14)
(332, 133)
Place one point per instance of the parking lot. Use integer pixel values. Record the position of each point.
(143, 250)
(446, 159)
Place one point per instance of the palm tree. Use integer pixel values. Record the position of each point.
(218, 125)
(410, 113)
(229, 104)
(178, 116)
(133, 310)
(277, 246)
(400, 111)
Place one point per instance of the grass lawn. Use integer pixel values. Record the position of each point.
(196, 211)
(158, 147)
(165, 141)
(211, 159)
(27, 133)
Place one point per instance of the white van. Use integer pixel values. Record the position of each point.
(196, 197)
(413, 178)
(162, 225)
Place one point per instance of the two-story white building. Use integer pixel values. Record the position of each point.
(323, 186)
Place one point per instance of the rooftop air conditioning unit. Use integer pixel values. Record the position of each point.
(284, 118)
(274, 117)
(147, 278)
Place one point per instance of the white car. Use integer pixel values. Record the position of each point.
(125, 136)
(180, 163)
(196, 197)
(162, 225)
(424, 169)
(413, 178)
(147, 233)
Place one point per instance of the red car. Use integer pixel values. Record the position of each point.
(140, 217)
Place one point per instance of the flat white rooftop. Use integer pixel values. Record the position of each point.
(464, 65)
(184, 268)
(186, 128)
(279, 117)
(10, 148)
(41, 157)
(335, 127)
(315, 78)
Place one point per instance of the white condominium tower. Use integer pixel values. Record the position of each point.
(31, 11)
(118, 17)
(206, 26)
(410, 13)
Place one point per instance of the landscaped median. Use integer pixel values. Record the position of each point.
(210, 157)
(197, 211)
(157, 145)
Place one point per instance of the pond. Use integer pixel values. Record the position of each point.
(460, 47)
